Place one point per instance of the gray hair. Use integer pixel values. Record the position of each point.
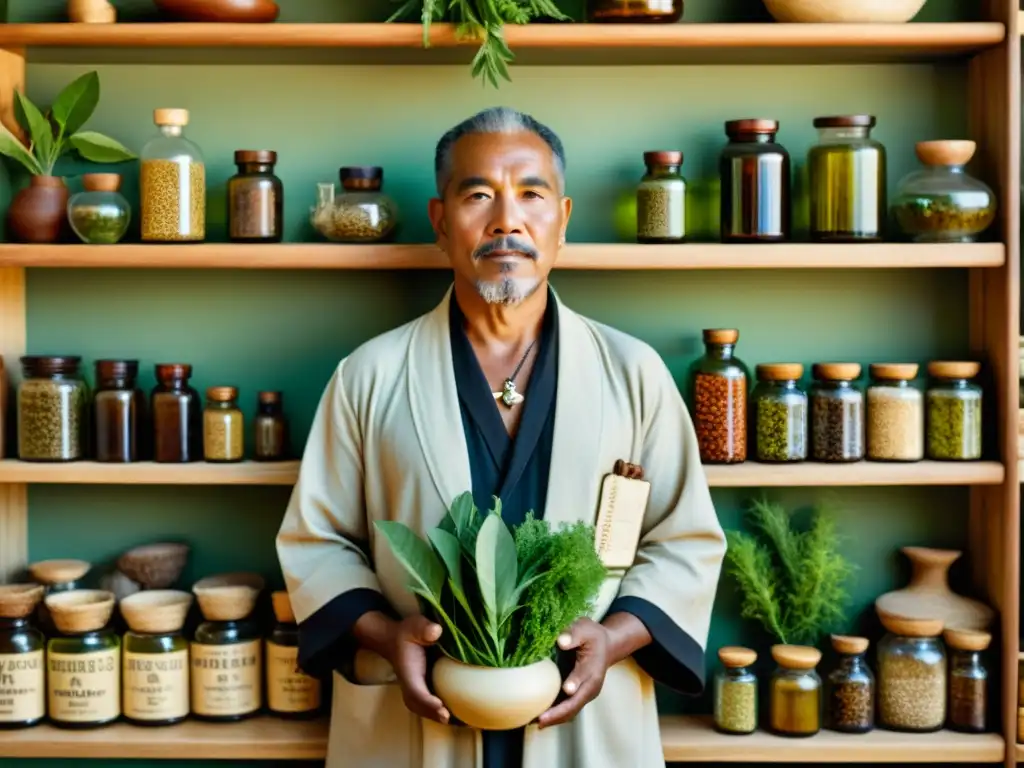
(495, 120)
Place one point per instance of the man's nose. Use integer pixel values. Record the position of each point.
(507, 219)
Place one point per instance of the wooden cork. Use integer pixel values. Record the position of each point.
(736, 656)
(796, 656)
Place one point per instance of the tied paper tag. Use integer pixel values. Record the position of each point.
(624, 495)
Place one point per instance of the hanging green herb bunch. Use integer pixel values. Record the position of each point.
(476, 576)
(792, 582)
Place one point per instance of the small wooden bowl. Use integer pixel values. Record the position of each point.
(228, 596)
(19, 600)
(844, 11)
(59, 571)
(157, 611)
(154, 566)
(234, 11)
(80, 610)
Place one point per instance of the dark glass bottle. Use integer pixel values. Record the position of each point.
(255, 198)
(177, 415)
(118, 411)
(271, 428)
(635, 11)
(291, 693)
(227, 670)
(22, 664)
(718, 397)
(755, 177)
(968, 680)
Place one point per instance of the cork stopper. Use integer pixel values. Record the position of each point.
(836, 371)
(796, 656)
(156, 611)
(779, 371)
(966, 639)
(221, 394)
(168, 116)
(736, 656)
(904, 627)
(849, 645)
(894, 371)
(228, 596)
(948, 152)
(953, 369)
(80, 610)
(19, 600)
(101, 182)
(671, 157)
(283, 607)
(58, 571)
(721, 335)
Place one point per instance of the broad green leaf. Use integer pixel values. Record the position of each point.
(496, 568)
(99, 148)
(38, 127)
(462, 511)
(424, 569)
(14, 149)
(75, 104)
(447, 547)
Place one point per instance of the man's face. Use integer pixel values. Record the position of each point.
(502, 218)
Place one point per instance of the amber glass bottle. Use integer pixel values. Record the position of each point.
(290, 692)
(635, 11)
(255, 198)
(22, 666)
(118, 411)
(177, 422)
(271, 428)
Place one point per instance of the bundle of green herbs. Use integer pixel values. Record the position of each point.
(502, 595)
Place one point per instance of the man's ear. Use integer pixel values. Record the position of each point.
(435, 210)
(566, 213)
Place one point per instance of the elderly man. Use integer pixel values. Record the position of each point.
(505, 391)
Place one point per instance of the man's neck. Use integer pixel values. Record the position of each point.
(501, 325)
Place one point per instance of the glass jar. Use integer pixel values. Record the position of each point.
(99, 214)
(755, 178)
(223, 438)
(895, 425)
(837, 413)
(780, 413)
(51, 409)
(118, 409)
(911, 676)
(635, 11)
(291, 693)
(847, 181)
(795, 691)
(850, 687)
(221, 696)
(22, 664)
(177, 428)
(953, 411)
(361, 213)
(271, 428)
(736, 691)
(172, 183)
(661, 199)
(255, 198)
(718, 393)
(968, 679)
(942, 202)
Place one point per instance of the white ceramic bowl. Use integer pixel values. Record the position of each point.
(496, 698)
(844, 11)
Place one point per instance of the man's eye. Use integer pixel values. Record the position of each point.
(532, 195)
(478, 196)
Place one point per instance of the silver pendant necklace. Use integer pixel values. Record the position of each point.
(508, 394)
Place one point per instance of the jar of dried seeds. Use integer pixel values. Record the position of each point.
(895, 413)
(52, 402)
(736, 691)
(911, 675)
(968, 679)
(362, 213)
(222, 425)
(718, 395)
(850, 687)
(661, 199)
(172, 183)
(780, 413)
(795, 691)
(837, 413)
(953, 411)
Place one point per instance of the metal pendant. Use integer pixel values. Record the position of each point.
(508, 394)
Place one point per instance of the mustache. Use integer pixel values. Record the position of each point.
(506, 243)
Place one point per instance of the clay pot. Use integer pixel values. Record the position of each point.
(38, 213)
(496, 698)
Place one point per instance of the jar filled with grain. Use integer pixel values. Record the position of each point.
(895, 413)
(968, 679)
(270, 428)
(223, 425)
(953, 411)
(850, 687)
(911, 675)
(172, 183)
(255, 198)
(718, 397)
(661, 199)
(362, 213)
(754, 171)
(837, 413)
(177, 427)
(780, 413)
(736, 691)
(795, 691)
(118, 410)
(52, 409)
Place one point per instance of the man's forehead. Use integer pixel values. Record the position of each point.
(476, 153)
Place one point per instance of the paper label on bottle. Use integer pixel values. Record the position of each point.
(226, 678)
(22, 687)
(84, 687)
(289, 689)
(156, 685)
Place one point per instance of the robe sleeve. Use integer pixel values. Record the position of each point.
(672, 583)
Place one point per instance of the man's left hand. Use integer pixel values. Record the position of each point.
(591, 641)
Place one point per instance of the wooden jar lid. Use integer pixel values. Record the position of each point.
(896, 371)
(59, 571)
(796, 656)
(953, 369)
(101, 182)
(945, 152)
(836, 371)
(736, 656)
(906, 627)
(780, 371)
(849, 645)
(282, 607)
(80, 610)
(721, 335)
(156, 611)
(19, 600)
(228, 596)
(966, 639)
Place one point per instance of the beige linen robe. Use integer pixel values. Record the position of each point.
(387, 443)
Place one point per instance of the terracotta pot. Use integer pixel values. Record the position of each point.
(496, 698)
(38, 213)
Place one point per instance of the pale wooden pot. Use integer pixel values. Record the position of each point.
(497, 698)
(844, 11)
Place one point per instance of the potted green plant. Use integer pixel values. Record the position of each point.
(38, 212)
(475, 577)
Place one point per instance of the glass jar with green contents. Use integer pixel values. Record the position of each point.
(291, 693)
(837, 413)
(661, 199)
(911, 675)
(780, 413)
(953, 411)
(52, 404)
(795, 691)
(850, 687)
(22, 665)
(223, 434)
(968, 679)
(718, 399)
(895, 423)
(847, 180)
(83, 663)
(99, 214)
(736, 691)
(156, 690)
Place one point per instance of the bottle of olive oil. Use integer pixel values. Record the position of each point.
(156, 690)
(290, 692)
(22, 664)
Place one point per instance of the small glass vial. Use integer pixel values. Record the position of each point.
(83, 663)
(795, 691)
(291, 693)
(968, 679)
(99, 214)
(661, 199)
(736, 691)
(52, 409)
(255, 198)
(172, 183)
(850, 687)
(177, 426)
(953, 411)
(780, 413)
(837, 413)
(895, 418)
(223, 433)
(755, 178)
(118, 409)
(718, 395)
(911, 675)
(635, 11)
(271, 428)
(22, 663)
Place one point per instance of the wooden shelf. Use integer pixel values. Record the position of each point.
(747, 475)
(596, 256)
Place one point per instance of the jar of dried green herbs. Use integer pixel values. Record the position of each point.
(850, 687)
(795, 708)
(736, 691)
(912, 675)
(780, 413)
(661, 199)
(837, 413)
(52, 402)
(953, 411)
(968, 679)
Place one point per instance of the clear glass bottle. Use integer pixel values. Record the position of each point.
(291, 693)
(118, 411)
(795, 708)
(271, 428)
(661, 199)
(968, 680)
(736, 691)
(850, 687)
(177, 426)
(22, 663)
(755, 184)
(172, 183)
(99, 214)
(223, 426)
(837, 413)
(780, 413)
(895, 417)
(52, 410)
(718, 396)
(942, 202)
(911, 676)
(953, 411)
(255, 198)
(635, 11)
(847, 171)
(362, 213)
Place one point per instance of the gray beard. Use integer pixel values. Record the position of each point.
(508, 291)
